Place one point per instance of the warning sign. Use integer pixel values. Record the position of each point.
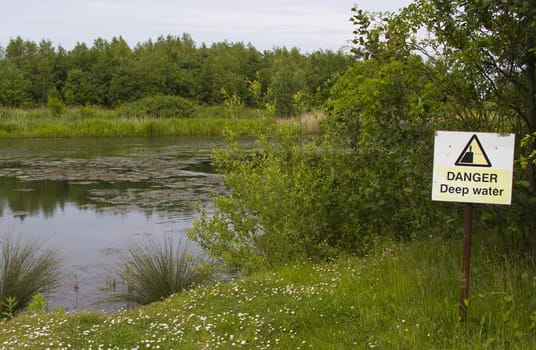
(473, 167)
(473, 154)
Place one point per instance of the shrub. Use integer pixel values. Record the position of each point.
(160, 107)
(156, 270)
(25, 270)
(289, 200)
(54, 103)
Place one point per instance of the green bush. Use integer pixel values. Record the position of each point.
(160, 107)
(25, 270)
(289, 200)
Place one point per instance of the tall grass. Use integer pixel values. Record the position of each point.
(309, 122)
(94, 122)
(157, 269)
(25, 270)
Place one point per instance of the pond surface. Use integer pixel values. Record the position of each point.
(92, 198)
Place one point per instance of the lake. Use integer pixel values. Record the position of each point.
(92, 198)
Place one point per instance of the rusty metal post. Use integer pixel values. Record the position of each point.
(467, 231)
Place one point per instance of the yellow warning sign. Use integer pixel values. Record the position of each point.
(473, 167)
(473, 154)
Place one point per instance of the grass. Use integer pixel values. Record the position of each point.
(25, 270)
(398, 297)
(94, 122)
(309, 122)
(155, 270)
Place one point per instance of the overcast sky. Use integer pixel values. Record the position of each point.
(307, 24)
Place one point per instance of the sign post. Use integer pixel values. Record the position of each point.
(466, 260)
(472, 168)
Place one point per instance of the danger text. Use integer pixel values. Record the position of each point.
(471, 177)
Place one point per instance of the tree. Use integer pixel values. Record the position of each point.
(492, 45)
(102, 62)
(77, 89)
(481, 56)
(14, 88)
(43, 80)
(22, 54)
(228, 66)
(287, 81)
(382, 115)
(322, 72)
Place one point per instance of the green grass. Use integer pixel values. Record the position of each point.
(25, 270)
(399, 297)
(93, 122)
(155, 270)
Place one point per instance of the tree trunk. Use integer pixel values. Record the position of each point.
(530, 116)
(531, 105)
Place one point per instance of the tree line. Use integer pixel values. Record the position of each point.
(110, 73)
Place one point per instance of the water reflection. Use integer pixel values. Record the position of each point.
(30, 198)
(91, 198)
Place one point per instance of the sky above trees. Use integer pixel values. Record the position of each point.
(306, 24)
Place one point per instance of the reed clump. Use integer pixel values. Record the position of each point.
(155, 270)
(25, 270)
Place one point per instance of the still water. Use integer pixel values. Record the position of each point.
(91, 198)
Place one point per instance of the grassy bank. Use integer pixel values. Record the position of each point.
(92, 122)
(399, 297)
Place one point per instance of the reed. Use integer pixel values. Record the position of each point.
(94, 122)
(155, 270)
(25, 270)
(309, 122)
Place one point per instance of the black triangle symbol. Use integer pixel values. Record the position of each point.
(473, 154)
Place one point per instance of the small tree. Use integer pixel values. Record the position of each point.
(54, 102)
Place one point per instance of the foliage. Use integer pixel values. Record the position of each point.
(110, 73)
(38, 304)
(367, 176)
(526, 141)
(155, 270)
(492, 43)
(160, 107)
(288, 201)
(286, 82)
(54, 103)
(77, 89)
(480, 66)
(398, 297)
(14, 88)
(25, 270)
(232, 104)
(486, 50)
(9, 307)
